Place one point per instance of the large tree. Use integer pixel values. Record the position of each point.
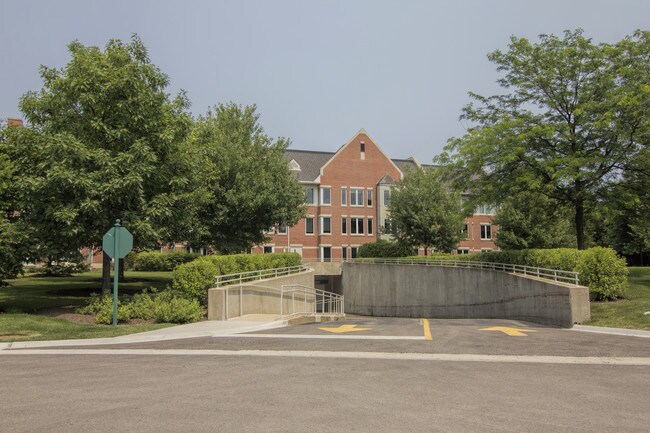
(102, 143)
(242, 183)
(424, 213)
(528, 220)
(574, 115)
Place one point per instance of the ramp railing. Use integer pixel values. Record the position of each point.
(291, 300)
(241, 277)
(552, 274)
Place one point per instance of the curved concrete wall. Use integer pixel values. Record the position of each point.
(451, 292)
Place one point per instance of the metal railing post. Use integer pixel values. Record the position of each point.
(241, 301)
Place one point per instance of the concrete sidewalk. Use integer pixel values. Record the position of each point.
(208, 328)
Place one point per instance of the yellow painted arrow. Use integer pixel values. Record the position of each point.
(344, 328)
(513, 332)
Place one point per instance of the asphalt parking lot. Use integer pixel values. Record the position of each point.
(404, 335)
(361, 374)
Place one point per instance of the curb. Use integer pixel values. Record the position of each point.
(612, 331)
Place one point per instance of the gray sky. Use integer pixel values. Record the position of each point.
(317, 70)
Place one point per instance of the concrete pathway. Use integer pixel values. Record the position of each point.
(208, 328)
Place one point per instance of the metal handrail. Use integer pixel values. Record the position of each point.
(242, 277)
(323, 302)
(553, 274)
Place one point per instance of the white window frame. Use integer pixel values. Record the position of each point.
(488, 238)
(322, 224)
(370, 226)
(344, 224)
(386, 197)
(358, 220)
(344, 196)
(369, 197)
(322, 195)
(280, 231)
(313, 225)
(314, 196)
(359, 203)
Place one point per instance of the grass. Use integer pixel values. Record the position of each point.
(628, 312)
(30, 294)
(31, 327)
(25, 296)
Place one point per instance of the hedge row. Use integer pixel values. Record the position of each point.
(384, 248)
(156, 261)
(600, 268)
(195, 278)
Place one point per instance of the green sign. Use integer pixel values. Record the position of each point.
(117, 242)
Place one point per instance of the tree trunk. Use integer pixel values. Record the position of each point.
(580, 225)
(106, 273)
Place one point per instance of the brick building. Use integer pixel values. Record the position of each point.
(347, 195)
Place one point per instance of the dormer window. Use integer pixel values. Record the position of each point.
(294, 166)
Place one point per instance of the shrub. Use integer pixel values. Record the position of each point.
(192, 280)
(603, 272)
(163, 307)
(156, 261)
(384, 248)
(169, 308)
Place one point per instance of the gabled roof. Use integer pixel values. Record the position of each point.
(309, 161)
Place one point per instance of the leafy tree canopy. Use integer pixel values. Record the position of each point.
(101, 143)
(243, 185)
(574, 115)
(424, 213)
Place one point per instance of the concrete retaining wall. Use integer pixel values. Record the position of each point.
(450, 292)
(255, 297)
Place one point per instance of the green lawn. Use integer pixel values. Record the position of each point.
(29, 294)
(626, 313)
(25, 296)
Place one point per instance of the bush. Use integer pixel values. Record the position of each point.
(151, 261)
(164, 307)
(192, 280)
(603, 272)
(384, 248)
(64, 269)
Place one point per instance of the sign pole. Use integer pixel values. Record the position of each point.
(116, 268)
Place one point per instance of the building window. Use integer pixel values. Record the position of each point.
(344, 253)
(310, 196)
(362, 148)
(386, 197)
(354, 251)
(486, 232)
(268, 249)
(344, 225)
(462, 251)
(485, 209)
(369, 195)
(370, 226)
(282, 229)
(326, 195)
(326, 254)
(325, 225)
(309, 225)
(344, 196)
(356, 226)
(356, 197)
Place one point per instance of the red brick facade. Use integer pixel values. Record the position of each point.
(342, 224)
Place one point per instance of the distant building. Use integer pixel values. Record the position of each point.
(347, 194)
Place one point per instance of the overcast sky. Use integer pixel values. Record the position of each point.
(318, 70)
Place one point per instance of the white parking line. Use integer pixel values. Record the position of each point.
(325, 337)
(444, 357)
